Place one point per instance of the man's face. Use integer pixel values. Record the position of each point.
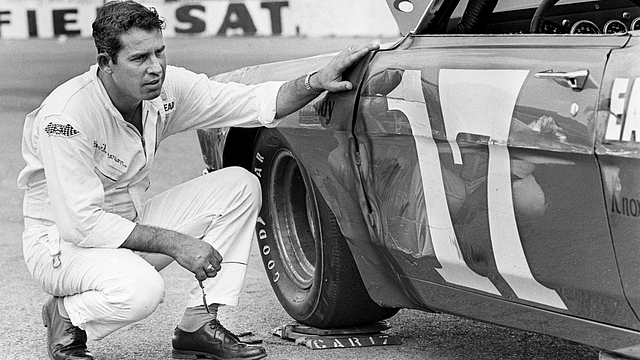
(140, 69)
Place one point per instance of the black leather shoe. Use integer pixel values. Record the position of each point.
(213, 341)
(64, 341)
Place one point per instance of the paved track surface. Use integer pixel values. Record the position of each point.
(29, 70)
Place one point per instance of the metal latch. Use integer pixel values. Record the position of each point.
(575, 79)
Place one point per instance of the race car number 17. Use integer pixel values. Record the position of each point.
(486, 110)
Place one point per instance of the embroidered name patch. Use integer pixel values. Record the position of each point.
(61, 130)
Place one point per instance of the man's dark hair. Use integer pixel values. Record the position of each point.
(117, 17)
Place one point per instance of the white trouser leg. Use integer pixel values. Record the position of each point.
(103, 289)
(107, 289)
(220, 208)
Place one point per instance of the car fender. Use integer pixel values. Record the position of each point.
(325, 151)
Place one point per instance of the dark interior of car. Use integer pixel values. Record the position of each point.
(545, 17)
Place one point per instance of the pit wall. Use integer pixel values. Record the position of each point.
(22, 19)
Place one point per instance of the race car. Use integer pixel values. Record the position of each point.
(486, 165)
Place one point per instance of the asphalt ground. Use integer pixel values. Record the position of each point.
(30, 69)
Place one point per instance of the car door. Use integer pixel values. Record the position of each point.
(476, 156)
(618, 152)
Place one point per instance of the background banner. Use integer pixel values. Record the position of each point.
(21, 19)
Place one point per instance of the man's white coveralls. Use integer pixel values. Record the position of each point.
(86, 174)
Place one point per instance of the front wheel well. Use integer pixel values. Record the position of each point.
(238, 149)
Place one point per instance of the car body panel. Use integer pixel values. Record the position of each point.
(482, 139)
(320, 135)
(468, 181)
(618, 151)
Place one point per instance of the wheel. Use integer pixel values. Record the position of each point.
(306, 258)
(542, 10)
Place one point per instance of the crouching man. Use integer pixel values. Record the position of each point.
(90, 239)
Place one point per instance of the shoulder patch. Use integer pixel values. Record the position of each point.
(65, 130)
(169, 105)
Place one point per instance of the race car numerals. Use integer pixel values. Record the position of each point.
(619, 126)
(407, 97)
(485, 110)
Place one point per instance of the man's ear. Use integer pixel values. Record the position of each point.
(105, 63)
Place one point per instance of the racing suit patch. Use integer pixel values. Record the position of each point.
(169, 106)
(109, 158)
(61, 130)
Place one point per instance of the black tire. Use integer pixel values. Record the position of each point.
(306, 258)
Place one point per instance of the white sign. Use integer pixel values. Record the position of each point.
(21, 19)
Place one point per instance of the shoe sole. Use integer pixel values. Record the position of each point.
(184, 354)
